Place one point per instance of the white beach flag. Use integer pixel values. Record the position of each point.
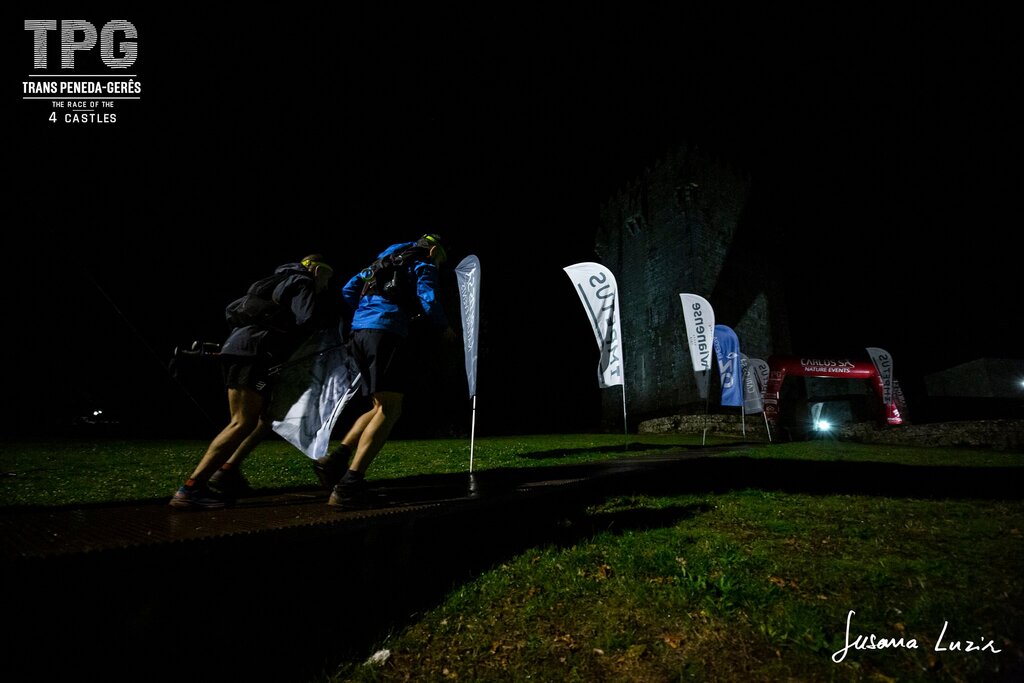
(597, 290)
(752, 402)
(883, 364)
(468, 275)
(755, 379)
(816, 415)
(700, 334)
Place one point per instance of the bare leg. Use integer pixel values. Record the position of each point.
(250, 443)
(245, 406)
(351, 440)
(387, 408)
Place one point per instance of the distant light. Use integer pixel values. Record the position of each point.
(97, 412)
(822, 426)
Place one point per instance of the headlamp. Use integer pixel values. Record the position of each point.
(432, 240)
(311, 264)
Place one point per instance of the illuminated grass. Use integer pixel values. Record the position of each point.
(95, 471)
(747, 584)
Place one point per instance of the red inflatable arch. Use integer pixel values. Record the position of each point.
(781, 367)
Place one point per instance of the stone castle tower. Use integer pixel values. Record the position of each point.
(692, 223)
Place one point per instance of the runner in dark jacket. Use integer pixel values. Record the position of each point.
(298, 310)
(269, 324)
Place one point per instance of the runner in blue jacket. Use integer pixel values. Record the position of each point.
(398, 288)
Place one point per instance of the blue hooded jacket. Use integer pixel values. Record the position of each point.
(377, 312)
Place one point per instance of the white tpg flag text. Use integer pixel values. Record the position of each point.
(597, 290)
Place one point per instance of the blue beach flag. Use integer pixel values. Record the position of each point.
(727, 349)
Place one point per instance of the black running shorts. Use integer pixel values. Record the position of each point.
(243, 372)
(385, 360)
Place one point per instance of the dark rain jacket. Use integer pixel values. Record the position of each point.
(299, 312)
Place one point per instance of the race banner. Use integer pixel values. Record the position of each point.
(596, 287)
(700, 331)
(467, 273)
(727, 349)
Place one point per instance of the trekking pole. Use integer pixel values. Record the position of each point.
(145, 343)
(274, 369)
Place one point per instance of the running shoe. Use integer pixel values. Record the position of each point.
(196, 499)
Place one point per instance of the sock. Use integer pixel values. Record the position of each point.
(352, 477)
(226, 466)
(339, 453)
(190, 484)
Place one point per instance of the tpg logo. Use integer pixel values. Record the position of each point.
(117, 41)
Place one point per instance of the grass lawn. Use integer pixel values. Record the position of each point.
(745, 584)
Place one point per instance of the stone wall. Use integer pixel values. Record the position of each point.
(980, 378)
(688, 224)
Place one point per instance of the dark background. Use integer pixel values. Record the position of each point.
(879, 138)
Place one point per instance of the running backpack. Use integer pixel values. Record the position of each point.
(257, 307)
(391, 277)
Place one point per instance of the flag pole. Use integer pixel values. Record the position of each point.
(744, 373)
(625, 428)
(472, 435)
(766, 427)
(707, 402)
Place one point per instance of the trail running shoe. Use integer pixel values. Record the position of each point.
(328, 471)
(196, 499)
(352, 495)
(231, 484)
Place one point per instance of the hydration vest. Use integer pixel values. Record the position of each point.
(391, 276)
(257, 306)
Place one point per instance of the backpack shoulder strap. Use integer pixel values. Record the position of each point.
(386, 264)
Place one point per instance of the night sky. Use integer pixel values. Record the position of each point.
(881, 138)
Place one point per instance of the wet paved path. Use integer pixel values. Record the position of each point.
(272, 588)
(53, 532)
